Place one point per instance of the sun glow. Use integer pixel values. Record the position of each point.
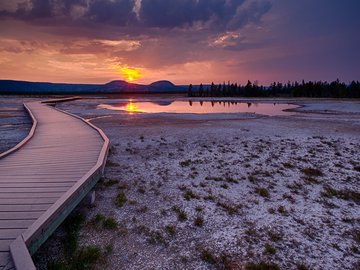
(130, 74)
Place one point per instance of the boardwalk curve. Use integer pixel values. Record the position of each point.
(44, 177)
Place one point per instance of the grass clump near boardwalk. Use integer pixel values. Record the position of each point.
(120, 199)
(77, 258)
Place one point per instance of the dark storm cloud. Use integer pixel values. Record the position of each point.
(217, 15)
(119, 12)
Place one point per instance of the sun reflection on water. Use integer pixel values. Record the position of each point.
(131, 107)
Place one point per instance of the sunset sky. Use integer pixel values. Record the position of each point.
(184, 41)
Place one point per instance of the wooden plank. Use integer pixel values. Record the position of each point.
(10, 233)
(12, 201)
(5, 244)
(32, 195)
(16, 224)
(35, 184)
(33, 190)
(24, 207)
(20, 215)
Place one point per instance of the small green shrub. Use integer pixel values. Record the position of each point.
(199, 221)
(269, 249)
(312, 172)
(263, 192)
(110, 223)
(120, 199)
(208, 257)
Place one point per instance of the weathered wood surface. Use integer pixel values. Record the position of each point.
(60, 152)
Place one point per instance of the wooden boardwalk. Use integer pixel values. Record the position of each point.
(43, 179)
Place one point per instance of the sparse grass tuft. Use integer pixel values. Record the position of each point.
(110, 163)
(110, 182)
(110, 223)
(282, 210)
(185, 163)
(188, 195)
(155, 237)
(311, 172)
(170, 229)
(274, 236)
(141, 190)
(344, 194)
(207, 256)
(199, 221)
(224, 186)
(231, 210)
(120, 199)
(269, 249)
(263, 192)
(182, 216)
(288, 165)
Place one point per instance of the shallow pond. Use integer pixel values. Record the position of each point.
(198, 107)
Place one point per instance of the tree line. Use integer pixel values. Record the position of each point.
(335, 89)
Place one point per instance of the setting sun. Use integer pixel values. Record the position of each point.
(130, 74)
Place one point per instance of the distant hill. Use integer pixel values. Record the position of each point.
(114, 87)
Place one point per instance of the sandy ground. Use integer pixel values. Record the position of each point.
(222, 191)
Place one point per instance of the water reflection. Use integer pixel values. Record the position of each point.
(199, 107)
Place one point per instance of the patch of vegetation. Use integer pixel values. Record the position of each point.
(263, 192)
(282, 210)
(120, 199)
(224, 186)
(262, 266)
(155, 237)
(72, 226)
(288, 165)
(274, 236)
(207, 256)
(356, 235)
(185, 163)
(231, 180)
(110, 163)
(311, 180)
(231, 210)
(311, 172)
(170, 229)
(252, 178)
(199, 209)
(77, 258)
(141, 190)
(188, 195)
(269, 249)
(109, 248)
(216, 179)
(110, 182)
(344, 194)
(110, 223)
(302, 266)
(181, 214)
(199, 221)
